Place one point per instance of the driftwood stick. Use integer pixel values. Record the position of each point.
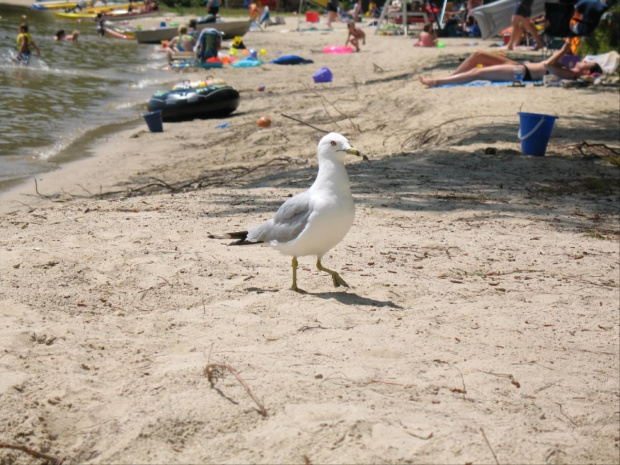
(36, 189)
(303, 122)
(427, 437)
(34, 453)
(212, 371)
(380, 381)
(489, 444)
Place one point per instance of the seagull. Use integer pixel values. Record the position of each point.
(316, 220)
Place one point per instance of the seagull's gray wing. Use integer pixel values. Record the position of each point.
(288, 222)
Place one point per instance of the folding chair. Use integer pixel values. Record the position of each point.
(558, 17)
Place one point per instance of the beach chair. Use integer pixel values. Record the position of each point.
(568, 19)
(205, 52)
(558, 17)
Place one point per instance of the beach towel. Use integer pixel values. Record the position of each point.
(607, 61)
(290, 60)
(485, 83)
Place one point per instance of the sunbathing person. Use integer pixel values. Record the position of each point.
(488, 67)
(181, 43)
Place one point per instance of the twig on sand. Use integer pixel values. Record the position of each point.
(36, 189)
(303, 122)
(34, 453)
(213, 371)
(434, 130)
(462, 381)
(489, 444)
(562, 412)
(384, 382)
(594, 150)
(430, 435)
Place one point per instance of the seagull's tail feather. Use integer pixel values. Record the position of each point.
(240, 236)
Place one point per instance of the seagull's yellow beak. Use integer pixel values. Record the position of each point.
(352, 151)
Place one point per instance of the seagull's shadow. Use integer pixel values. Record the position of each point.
(351, 298)
(347, 298)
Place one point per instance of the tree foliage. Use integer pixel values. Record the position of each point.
(606, 37)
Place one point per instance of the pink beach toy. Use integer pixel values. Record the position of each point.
(336, 49)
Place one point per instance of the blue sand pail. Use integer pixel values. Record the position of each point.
(534, 132)
(323, 75)
(154, 121)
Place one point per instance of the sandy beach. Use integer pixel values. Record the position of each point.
(482, 321)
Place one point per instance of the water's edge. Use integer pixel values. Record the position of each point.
(79, 149)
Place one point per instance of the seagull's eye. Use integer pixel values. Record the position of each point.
(333, 142)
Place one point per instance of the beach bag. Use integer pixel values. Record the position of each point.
(208, 45)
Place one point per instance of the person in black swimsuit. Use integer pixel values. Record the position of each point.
(521, 23)
(527, 76)
(332, 11)
(490, 67)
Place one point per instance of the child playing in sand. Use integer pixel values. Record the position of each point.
(354, 36)
(24, 42)
(427, 37)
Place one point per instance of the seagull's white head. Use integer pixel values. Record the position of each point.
(335, 146)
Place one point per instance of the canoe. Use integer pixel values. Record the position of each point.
(119, 34)
(229, 28)
(56, 5)
(110, 15)
(201, 102)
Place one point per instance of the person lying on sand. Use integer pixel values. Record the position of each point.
(488, 67)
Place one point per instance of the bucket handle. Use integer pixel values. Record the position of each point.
(529, 134)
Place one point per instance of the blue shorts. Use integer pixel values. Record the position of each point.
(24, 57)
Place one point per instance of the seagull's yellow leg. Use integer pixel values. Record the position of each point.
(294, 286)
(338, 281)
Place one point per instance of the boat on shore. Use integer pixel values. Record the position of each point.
(109, 15)
(119, 33)
(56, 5)
(86, 5)
(186, 103)
(230, 29)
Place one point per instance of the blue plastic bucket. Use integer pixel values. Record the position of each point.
(534, 132)
(323, 75)
(154, 121)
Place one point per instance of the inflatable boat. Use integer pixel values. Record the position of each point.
(191, 102)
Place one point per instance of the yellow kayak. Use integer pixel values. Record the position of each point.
(70, 15)
(91, 12)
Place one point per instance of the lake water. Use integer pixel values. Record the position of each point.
(53, 109)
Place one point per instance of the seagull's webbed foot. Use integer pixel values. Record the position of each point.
(338, 281)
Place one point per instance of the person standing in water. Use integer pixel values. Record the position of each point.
(24, 42)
